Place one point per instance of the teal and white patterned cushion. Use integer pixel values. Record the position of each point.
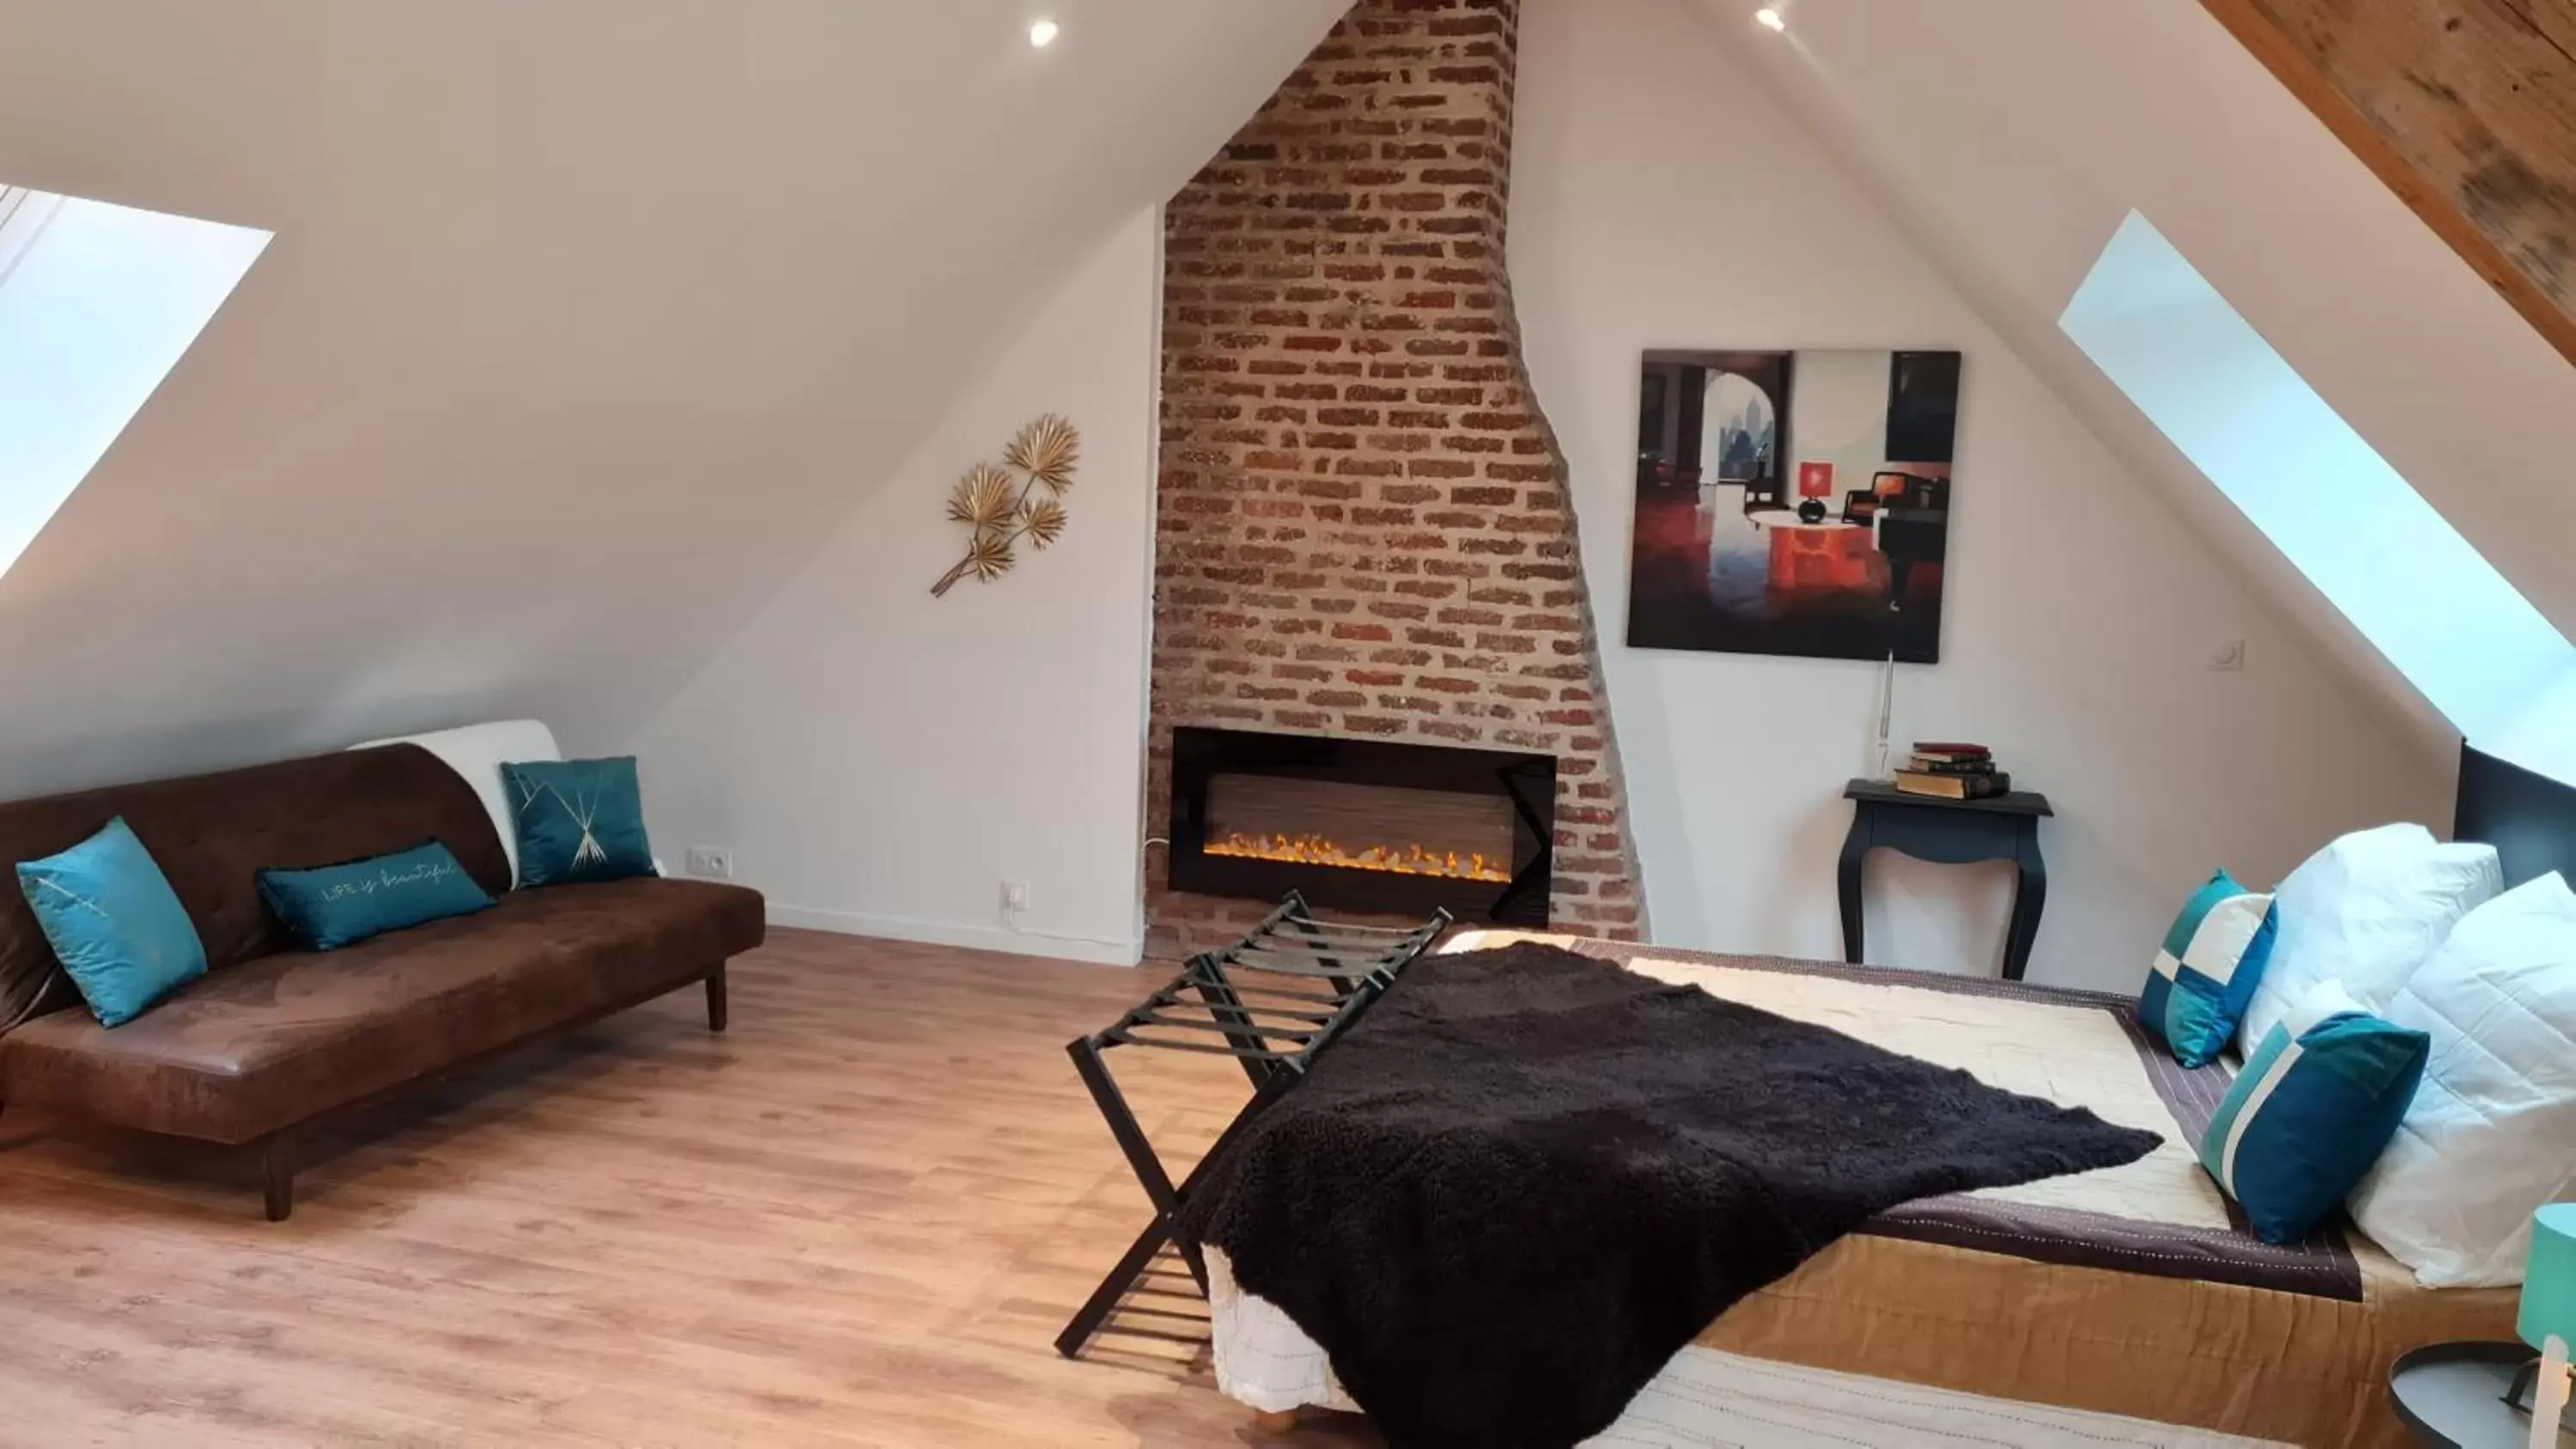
(578, 820)
(119, 930)
(2311, 1112)
(2207, 970)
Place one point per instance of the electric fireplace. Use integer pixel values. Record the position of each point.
(1363, 825)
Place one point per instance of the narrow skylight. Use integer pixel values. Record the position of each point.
(97, 303)
(2419, 592)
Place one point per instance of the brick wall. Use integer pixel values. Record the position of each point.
(1363, 525)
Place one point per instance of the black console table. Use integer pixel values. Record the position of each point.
(1948, 832)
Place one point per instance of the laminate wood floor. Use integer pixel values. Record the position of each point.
(858, 1218)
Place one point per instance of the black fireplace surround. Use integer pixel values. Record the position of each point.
(1363, 825)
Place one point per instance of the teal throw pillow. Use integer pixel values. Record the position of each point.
(114, 922)
(578, 820)
(331, 906)
(2207, 970)
(2310, 1114)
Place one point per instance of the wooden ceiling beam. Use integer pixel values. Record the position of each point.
(2465, 108)
(2554, 19)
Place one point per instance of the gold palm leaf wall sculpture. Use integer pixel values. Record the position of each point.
(1047, 451)
(1042, 521)
(985, 498)
(1020, 497)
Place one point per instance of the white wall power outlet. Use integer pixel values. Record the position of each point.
(2228, 656)
(710, 862)
(1015, 895)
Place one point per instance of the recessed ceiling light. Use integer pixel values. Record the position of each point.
(1770, 18)
(1042, 33)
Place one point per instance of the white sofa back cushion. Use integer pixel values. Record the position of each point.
(477, 752)
(2366, 911)
(2492, 1132)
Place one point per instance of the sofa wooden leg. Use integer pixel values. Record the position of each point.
(716, 999)
(1278, 1421)
(277, 1173)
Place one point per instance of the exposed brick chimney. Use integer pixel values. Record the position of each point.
(1364, 527)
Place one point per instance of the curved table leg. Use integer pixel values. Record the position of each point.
(1847, 885)
(2030, 897)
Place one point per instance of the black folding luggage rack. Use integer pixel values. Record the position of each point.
(1273, 1001)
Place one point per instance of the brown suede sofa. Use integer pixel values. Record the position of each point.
(273, 1036)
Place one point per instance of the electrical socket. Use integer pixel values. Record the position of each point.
(1015, 895)
(710, 862)
(2228, 656)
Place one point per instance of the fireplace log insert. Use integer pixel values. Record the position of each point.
(1363, 825)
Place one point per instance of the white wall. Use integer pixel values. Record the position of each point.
(1660, 199)
(2012, 137)
(581, 325)
(879, 760)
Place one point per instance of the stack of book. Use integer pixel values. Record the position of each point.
(1952, 771)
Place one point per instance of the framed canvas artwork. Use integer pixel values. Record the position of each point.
(1793, 502)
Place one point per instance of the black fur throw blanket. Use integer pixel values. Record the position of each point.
(1525, 1179)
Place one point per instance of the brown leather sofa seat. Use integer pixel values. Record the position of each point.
(245, 1052)
(273, 1036)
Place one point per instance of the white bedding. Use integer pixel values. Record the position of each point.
(2075, 1055)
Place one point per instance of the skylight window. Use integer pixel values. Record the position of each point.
(97, 303)
(2419, 592)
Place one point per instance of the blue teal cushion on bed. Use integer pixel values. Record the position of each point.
(2207, 970)
(2309, 1115)
(578, 820)
(114, 922)
(331, 906)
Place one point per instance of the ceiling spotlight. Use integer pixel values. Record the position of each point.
(1042, 33)
(1770, 19)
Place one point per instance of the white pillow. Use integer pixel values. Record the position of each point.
(477, 752)
(2492, 1132)
(2366, 911)
(2328, 998)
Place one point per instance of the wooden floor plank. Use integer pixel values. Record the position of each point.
(856, 1219)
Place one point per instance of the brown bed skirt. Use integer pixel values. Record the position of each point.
(2296, 1368)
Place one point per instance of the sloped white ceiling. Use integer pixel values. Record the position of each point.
(584, 320)
(2012, 137)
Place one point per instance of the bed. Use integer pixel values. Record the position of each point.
(2126, 1305)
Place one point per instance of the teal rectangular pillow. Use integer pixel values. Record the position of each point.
(2206, 971)
(578, 820)
(114, 922)
(2310, 1114)
(331, 906)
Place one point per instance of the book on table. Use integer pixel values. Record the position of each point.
(1954, 787)
(1934, 765)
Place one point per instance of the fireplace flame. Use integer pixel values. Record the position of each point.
(1397, 860)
